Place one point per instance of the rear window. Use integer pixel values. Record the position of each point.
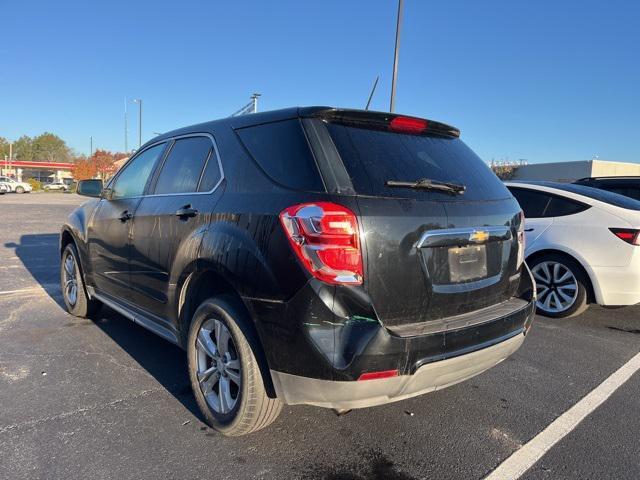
(372, 157)
(282, 151)
(595, 193)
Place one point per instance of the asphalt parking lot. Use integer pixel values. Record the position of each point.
(107, 399)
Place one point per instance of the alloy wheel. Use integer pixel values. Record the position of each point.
(219, 372)
(556, 286)
(70, 289)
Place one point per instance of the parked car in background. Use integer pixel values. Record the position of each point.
(56, 185)
(582, 246)
(627, 186)
(15, 186)
(3, 188)
(336, 258)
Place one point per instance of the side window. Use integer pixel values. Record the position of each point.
(533, 204)
(626, 190)
(559, 207)
(183, 166)
(282, 151)
(212, 174)
(132, 180)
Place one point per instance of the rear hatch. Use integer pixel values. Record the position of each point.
(428, 254)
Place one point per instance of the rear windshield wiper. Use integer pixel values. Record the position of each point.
(428, 184)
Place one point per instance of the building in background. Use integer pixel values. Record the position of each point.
(568, 172)
(41, 171)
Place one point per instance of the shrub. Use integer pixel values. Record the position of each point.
(35, 184)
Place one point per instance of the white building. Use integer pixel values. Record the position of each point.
(571, 171)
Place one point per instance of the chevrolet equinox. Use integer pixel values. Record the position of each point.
(319, 256)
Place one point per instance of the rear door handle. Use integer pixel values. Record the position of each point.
(125, 216)
(186, 212)
(529, 229)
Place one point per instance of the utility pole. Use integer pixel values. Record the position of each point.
(392, 107)
(139, 102)
(10, 154)
(90, 146)
(254, 97)
(126, 132)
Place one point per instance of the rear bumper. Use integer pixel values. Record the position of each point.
(619, 285)
(294, 389)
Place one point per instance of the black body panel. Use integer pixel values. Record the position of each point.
(406, 312)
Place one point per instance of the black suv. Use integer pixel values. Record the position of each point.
(627, 186)
(336, 258)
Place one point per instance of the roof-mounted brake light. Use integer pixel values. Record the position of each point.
(408, 125)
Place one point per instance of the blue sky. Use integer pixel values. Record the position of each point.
(543, 80)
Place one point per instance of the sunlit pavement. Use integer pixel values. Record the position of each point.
(106, 399)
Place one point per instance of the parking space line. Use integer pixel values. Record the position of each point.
(532, 451)
(39, 289)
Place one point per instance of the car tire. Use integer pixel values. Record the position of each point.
(76, 300)
(19, 189)
(219, 357)
(561, 284)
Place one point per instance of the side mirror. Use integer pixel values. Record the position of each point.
(89, 188)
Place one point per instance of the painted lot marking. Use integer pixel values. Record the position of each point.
(532, 451)
(40, 289)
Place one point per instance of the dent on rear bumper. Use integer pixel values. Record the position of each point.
(294, 390)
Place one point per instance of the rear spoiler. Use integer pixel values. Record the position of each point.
(387, 122)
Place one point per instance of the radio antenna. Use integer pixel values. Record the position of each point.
(375, 84)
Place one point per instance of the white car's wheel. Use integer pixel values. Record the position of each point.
(561, 285)
(19, 189)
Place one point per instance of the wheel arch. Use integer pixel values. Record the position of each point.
(209, 281)
(593, 288)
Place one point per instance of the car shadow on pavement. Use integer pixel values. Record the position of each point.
(167, 363)
(39, 253)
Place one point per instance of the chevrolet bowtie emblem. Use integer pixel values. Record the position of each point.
(479, 236)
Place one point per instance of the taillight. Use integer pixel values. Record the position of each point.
(325, 238)
(521, 240)
(629, 235)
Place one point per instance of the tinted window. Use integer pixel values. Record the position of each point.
(372, 157)
(182, 168)
(595, 193)
(627, 191)
(212, 173)
(533, 203)
(282, 151)
(559, 207)
(132, 180)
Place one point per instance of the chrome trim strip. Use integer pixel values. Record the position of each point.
(171, 140)
(503, 232)
(138, 318)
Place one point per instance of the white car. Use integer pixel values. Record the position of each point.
(57, 185)
(3, 188)
(15, 186)
(582, 246)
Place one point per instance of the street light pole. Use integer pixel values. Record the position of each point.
(254, 97)
(392, 106)
(139, 102)
(90, 146)
(126, 133)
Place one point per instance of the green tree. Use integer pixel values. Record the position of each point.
(4, 148)
(50, 148)
(23, 149)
